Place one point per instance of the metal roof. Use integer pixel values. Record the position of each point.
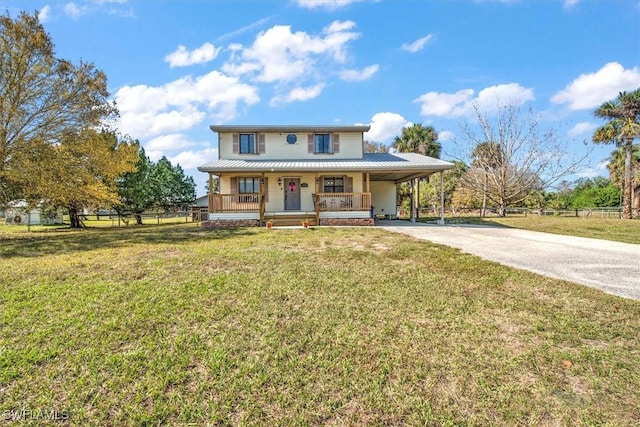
(288, 128)
(382, 166)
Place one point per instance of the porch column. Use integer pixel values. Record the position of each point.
(441, 222)
(412, 209)
(262, 198)
(368, 178)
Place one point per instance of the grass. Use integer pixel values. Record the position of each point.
(171, 325)
(626, 231)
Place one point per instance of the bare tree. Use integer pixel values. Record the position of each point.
(513, 155)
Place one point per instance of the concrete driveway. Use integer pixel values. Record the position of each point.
(610, 266)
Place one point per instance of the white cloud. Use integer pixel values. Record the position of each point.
(44, 14)
(192, 159)
(279, 55)
(178, 105)
(169, 142)
(419, 44)
(568, 4)
(74, 11)
(359, 75)
(298, 94)
(325, 4)
(582, 129)
(385, 126)
(181, 57)
(461, 103)
(591, 90)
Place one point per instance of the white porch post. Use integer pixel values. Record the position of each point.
(412, 214)
(441, 222)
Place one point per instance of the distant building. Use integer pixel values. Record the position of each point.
(17, 213)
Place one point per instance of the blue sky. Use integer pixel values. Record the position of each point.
(176, 67)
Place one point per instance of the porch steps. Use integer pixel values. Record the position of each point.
(290, 220)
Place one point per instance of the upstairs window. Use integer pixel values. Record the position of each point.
(247, 143)
(322, 143)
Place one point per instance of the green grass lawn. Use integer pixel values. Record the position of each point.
(171, 325)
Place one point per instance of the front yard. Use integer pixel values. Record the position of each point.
(173, 325)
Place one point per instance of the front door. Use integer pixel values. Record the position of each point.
(292, 194)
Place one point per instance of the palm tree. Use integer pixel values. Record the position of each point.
(418, 139)
(421, 140)
(623, 126)
(616, 171)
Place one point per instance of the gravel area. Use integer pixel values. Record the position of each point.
(613, 267)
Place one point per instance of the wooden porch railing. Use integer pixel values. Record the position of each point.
(336, 202)
(235, 202)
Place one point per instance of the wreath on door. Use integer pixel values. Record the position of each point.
(292, 186)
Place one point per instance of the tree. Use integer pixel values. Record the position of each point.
(616, 172)
(42, 99)
(134, 190)
(594, 192)
(622, 128)
(431, 186)
(418, 139)
(171, 187)
(513, 156)
(375, 147)
(486, 156)
(160, 186)
(81, 171)
(421, 140)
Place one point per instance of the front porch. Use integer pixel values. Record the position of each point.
(253, 210)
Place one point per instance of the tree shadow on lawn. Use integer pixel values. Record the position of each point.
(66, 240)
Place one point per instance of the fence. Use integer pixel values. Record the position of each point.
(615, 212)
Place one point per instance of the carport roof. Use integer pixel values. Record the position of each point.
(396, 167)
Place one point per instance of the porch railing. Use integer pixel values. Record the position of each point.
(235, 202)
(336, 202)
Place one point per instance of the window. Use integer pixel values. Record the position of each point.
(248, 188)
(247, 143)
(334, 184)
(248, 185)
(323, 143)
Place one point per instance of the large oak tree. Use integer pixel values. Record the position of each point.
(50, 110)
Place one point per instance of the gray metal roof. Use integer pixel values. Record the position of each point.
(383, 166)
(287, 128)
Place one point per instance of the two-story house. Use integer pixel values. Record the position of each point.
(319, 173)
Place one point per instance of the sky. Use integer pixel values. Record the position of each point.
(176, 67)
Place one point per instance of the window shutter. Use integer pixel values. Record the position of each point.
(348, 184)
(310, 144)
(234, 185)
(236, 143)
(261, 139)
(336, 143)
(266, 189)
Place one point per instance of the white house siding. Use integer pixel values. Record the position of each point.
(383, 197)
(276, 147)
